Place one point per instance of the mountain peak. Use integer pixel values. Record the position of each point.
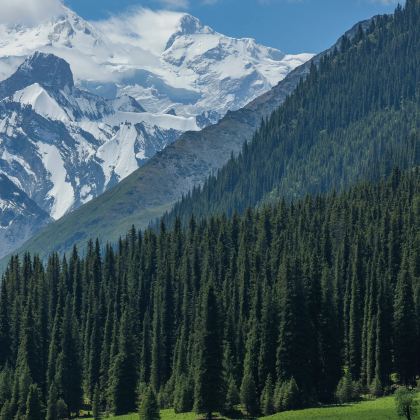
(188, 25)
(47, 70)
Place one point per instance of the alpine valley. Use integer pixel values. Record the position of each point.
(266, 265)
(83, 105)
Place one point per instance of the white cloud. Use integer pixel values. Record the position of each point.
(144, 28)
(28, 11)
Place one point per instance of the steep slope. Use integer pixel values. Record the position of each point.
(20, 217)
(72, 127)
(354, 118)
(63, 146)
(185, 65)
(154, 188)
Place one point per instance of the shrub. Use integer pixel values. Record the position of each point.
(406, 403)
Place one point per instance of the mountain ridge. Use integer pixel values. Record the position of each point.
(170, 75)
(171, 173)
(63, 146)
(89, 143)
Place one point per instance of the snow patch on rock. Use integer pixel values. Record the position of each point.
(62, 191)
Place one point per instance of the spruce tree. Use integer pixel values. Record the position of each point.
(5, 339)
(354, 348)
(267, 397)
(292, 357)
(96, 405)
(405, 328)
(249, 397)
(34, 409)
(123, 375)
(68, 376)
(52, 411)
(149, 409)
(209, 379)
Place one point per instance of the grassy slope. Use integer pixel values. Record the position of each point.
(380, 409)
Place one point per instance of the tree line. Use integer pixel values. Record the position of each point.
(354, 118)
(287, 306)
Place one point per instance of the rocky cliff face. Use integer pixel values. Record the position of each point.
(20, 217)
(62, 146)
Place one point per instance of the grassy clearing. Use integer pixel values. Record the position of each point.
(380, 409)
(165, 415)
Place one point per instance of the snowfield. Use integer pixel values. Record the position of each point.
(165, 60)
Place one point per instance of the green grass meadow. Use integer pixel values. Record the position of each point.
(165, 415)
(380, 409)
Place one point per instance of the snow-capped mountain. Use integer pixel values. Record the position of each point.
(62, 145)
(165, 60)
(85, 104)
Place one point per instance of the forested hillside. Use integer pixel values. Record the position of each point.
(154, 188)
(271, 309)
(264, 291)
(354, 118)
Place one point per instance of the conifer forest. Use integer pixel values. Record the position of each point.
(291, 279)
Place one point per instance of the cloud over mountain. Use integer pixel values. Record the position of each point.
(28, 11)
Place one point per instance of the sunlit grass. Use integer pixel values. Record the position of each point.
(379, 409)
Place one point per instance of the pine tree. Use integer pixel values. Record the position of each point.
(291, 396)
(68, 376)
(34, 409)
(96, 405)
(5, 339)
(249, 397)
(183, 395)
(329, 341)
(62, 409)
(354, 349)
(267, 397)
(123, 375)
(209, 379)
(292, 355)
(52, 412)
(6, 411)
(405, 328)
(149, 409)
(232, 395)
(345, 389)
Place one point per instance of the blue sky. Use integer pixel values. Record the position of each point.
(291, 25)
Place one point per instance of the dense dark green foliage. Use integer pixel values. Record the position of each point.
(354, 118)
(296, 303)
(149, 409)
(259, 308)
